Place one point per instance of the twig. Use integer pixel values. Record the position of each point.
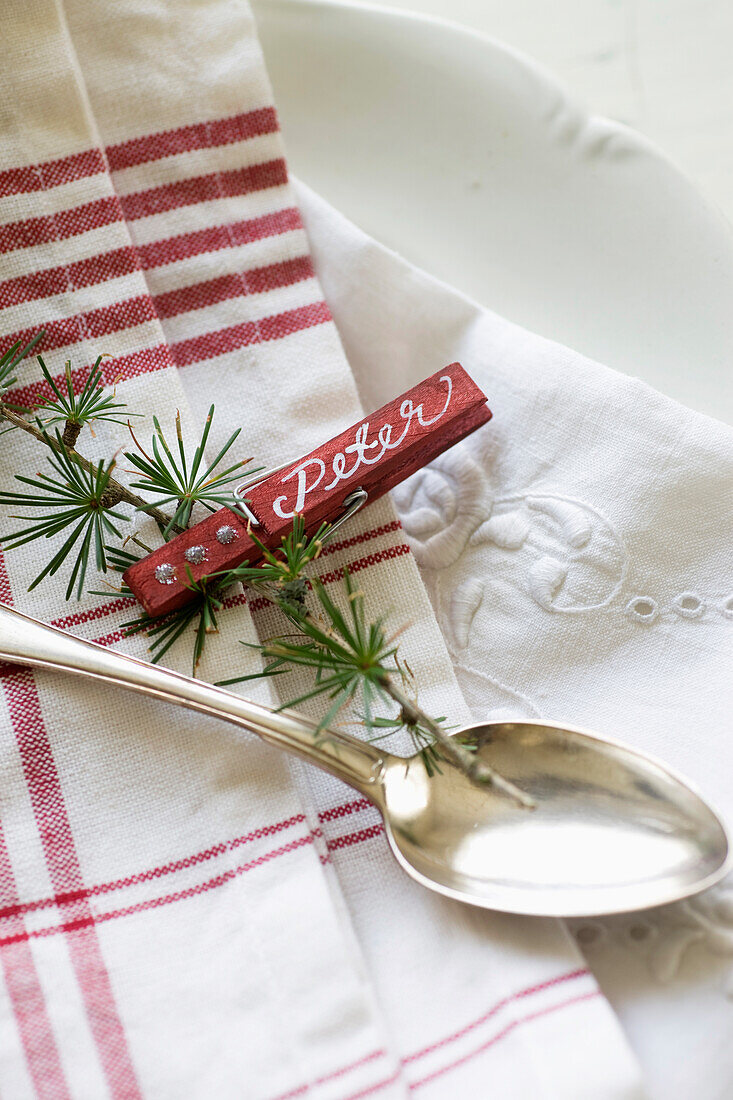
(115, 489)
(481, 774)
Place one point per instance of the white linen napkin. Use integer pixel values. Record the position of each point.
(185, 913)
(578, 553)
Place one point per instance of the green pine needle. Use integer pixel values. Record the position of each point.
(9, 362)
(118, 560)
(171, 479)
(283, 567)
(349, 657)
(280, 570)
(200, 613)
(345, 654)
(93, 402)
(422, 739)
(70, 500)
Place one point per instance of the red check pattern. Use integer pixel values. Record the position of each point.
(75, 910)
(25, 992)
(131, 227)
(73, 906)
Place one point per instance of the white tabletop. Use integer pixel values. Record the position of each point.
(663, 68)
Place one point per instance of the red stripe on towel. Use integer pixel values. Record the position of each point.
(214, 185)
(49, 808)
(257, 280)
(51, 173)
(198, 135)
(26, 998)
(222, 341)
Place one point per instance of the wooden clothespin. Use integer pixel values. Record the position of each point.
(328, 485)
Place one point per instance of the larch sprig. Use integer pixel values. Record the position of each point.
(173, 481)
(73, 499)
(74, 410)
(350, 657)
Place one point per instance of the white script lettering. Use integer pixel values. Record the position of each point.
(303, 486)
(365, 453)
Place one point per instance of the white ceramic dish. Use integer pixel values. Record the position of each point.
(475, 164)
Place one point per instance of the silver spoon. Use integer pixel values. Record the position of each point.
(612, 830)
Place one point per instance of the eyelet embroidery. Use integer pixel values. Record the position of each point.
(688, 605)
(642, 609)
(590, 932)
(664, 936)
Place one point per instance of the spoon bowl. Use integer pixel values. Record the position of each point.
(612, 831)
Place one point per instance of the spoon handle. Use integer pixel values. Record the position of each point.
(27, 641)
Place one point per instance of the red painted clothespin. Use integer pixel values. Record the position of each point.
(327, 485)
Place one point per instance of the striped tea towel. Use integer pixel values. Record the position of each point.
(186, 914)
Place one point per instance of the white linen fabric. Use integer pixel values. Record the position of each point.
(578, 553)
(184, 913)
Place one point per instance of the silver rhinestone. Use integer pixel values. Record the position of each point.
(195, 554)
(226, 534)
(165, 573)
